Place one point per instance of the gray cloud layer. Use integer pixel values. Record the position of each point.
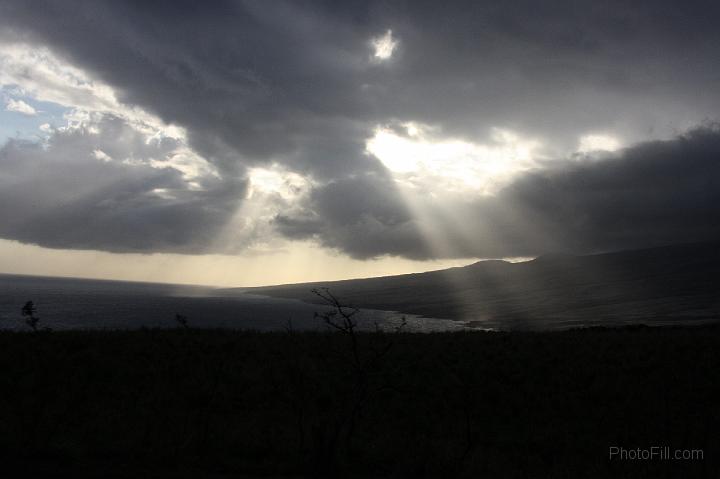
(59, 195)
(293, 83)
(654, 193)
(264, 80)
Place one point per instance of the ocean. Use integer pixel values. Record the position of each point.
(68, 303)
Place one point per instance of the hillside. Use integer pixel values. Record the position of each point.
(665, 285)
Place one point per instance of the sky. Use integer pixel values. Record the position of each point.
(254, 142)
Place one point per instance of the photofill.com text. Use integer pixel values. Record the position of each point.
(655, 453)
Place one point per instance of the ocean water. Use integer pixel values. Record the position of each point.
(64, 303)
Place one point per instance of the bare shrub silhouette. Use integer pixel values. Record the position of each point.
(340, 318)
(182, 321)
(28, 312)
(362, 367)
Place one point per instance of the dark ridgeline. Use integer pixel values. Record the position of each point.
(666, 285)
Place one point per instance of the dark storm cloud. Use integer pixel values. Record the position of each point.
(250, 80)
(363, 216)
(652, 194)
(294, 83)
(260, 80)
(556, 68)
(60, 195)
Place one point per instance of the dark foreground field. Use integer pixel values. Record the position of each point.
(240, 404)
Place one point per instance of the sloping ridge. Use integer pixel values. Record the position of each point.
(670, 284)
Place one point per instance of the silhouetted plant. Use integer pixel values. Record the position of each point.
(402, 325)
(288, 327)
(182, 320)
(28, 312)
(340, 318)
(364, 365)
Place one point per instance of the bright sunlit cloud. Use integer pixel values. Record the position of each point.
(101, 156)
(20, 106)
(276, 180)
(594, 142)
(384, 46)
(270, 191)
(417, 158)
(40, 74)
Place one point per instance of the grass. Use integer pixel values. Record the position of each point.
(204, 403)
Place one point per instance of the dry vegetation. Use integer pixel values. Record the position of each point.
(203, 403)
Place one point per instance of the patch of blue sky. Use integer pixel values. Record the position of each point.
(14, 124)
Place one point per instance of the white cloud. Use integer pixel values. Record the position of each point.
(276, 180)
(20, 106)
(101, 156)
(593, 142)
(384, 46)
(186, 161)
(38, 73)
(431, 163)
